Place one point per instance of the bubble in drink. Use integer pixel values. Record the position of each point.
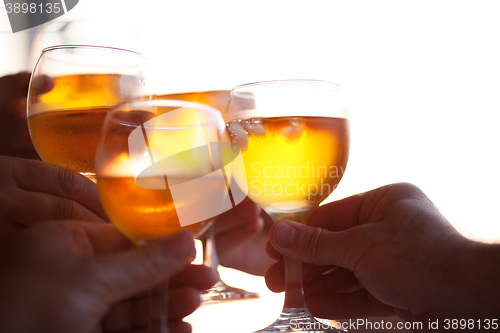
(254, 126)
(292, 129)
(238, 134)
(239, 130)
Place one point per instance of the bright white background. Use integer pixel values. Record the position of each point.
(422, 79)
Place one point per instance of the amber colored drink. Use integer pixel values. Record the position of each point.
(214, 98)
(68, 138)
(81, 91)
(291, 163)
(65, 122)
(140, 213)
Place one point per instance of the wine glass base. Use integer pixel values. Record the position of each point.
(221, 292)
(299, 320)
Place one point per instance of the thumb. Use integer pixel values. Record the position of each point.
(317, 245)
(134, 271)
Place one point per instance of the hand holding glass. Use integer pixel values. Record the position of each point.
(163, 165)
(294, 137)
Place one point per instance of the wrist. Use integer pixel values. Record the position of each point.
(470, 285)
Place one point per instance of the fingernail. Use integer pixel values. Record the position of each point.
(286, 235)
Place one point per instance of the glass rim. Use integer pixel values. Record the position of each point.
(131, 105)
(92, 47)
(308, 89)
(268, 82)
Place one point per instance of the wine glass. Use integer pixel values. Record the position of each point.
(71, 91)
(294, 136)
(163, 165)
(220, 292)
(105, 32)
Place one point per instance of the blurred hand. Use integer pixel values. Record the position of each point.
(33, 191)
(14, 136)
(388, 251)
(76, 277)
(241, 235)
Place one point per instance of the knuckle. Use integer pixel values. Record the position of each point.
(91, 295)
(66, 209)
(407, 189)
(150, 263)
(70, 184)
(314, 243)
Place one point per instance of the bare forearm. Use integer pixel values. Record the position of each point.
(473, 291)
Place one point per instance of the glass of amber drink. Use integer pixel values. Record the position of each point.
(163, 165)
(71, 90)
(294, 138)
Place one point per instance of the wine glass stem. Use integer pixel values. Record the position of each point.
(164, 309)
(294, 295)
(162, 315)
(209, 251)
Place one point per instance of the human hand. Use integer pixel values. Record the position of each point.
(78, 277)
(388, 251)
(33, 191)
(241, 235)
(14, 135)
